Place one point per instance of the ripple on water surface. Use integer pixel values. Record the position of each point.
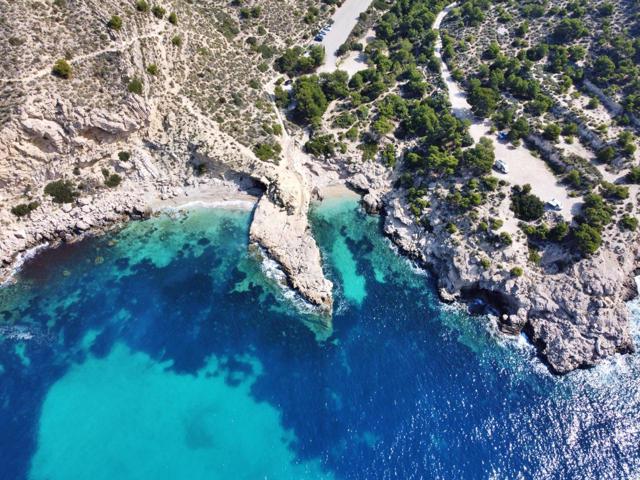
(163, 351)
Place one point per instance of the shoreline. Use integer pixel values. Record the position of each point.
(214, 194)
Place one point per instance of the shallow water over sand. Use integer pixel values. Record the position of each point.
(162, 352)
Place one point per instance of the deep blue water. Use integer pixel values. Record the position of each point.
(164, 352)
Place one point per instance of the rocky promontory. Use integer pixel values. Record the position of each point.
(575, 317)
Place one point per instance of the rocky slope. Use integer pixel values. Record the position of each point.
(164, 102)
(575, 317)
(194, 117)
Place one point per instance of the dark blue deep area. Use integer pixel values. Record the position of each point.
(403, 388)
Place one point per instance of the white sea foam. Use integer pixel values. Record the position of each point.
(16, 333)
(226, 204)
(274, 272)
(23, 258)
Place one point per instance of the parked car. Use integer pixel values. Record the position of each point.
(501, 166)
(319, 37)
(554, 204)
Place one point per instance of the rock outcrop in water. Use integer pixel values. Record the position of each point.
(576, 317)
(165, 103)
(170, 106)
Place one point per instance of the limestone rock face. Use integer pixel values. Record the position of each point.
(280, 226)
(580, 317)
(287, 239)
(575, 318)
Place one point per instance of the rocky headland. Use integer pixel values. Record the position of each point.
(135, 128)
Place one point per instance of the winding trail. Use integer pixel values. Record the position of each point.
(523, 166)
(158, 31)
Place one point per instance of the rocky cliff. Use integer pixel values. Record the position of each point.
(575, 317)
(156, 99)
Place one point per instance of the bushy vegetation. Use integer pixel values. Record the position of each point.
(516, 272)
(111, 180)
(310, 100)
(596, 214)
(267, 151)
(115, 23)
(588, 238)
(62, 69)
(135, 86)
(298, 61)
(24, 209)
(614, 192)
(627, 222)
(321, 145)
(252, 12)
(479, 160)
(158, 11)
(142, 6)
(634, 175)
(61, 191)
(525, 205)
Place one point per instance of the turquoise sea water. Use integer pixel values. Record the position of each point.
(163, 351)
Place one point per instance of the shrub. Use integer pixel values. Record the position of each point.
(505, 238)
(352, 134)
(62, 69)
(297, 60)
(534, 256)
(634, 175)
(142, 6)
(158, 11)
(135, 86)
(593, 103)
(525, 205)
(606, 154)
(552, 132)
(62, 191)
(124, 156)
(115, 23)
(595, 211)
(152, 69)
(24, 209)
(267, 151)
(588, 239)
(311, 102)
(516, 272)
(614, 192)
(113, 180)
(344, 120)
(479, 160)
(176, 41)
(388, 155)
(173, 18)
(628, 222)
(320, 146)
(559, 231)
(574, 178)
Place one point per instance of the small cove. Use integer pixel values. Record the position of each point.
(162, 351)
